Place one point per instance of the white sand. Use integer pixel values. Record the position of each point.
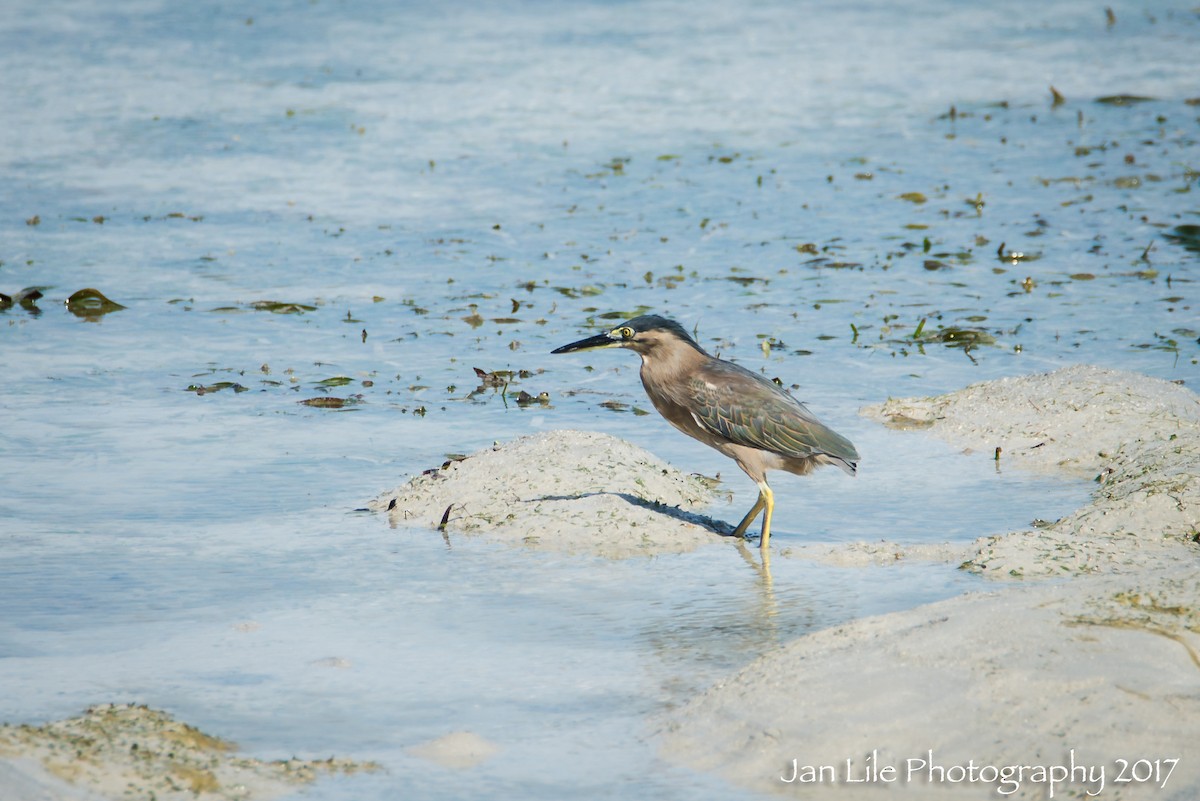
(1106, 663)
(570, 491)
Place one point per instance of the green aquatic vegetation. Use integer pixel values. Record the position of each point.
(277, 307)
(825, 263)
(175, 215)
(1015, 256)
(963, 337)
(1124, 100)
(1161, 342)
(620, 315)
(272, 306)
(913, 197)
(525, 399)
(329, 402)
(1186, 236)
(27, 299)
(579, 292)
(204, 389)
(91, 304)
(336, 381)
(1068, 179)
(956, 337)
(615, 166)
(496, 378)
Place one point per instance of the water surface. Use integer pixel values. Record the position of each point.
(863, 189)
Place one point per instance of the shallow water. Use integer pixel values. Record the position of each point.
(471, 189)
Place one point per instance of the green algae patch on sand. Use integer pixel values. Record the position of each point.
(130, 751)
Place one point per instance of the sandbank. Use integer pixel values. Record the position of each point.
(129, 751)
(567, 491)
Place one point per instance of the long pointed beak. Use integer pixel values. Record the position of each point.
(591, 343)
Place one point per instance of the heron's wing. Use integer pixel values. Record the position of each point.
(748, 409)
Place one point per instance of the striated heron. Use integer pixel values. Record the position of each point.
(740, 413)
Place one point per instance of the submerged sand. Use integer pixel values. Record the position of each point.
(1095, 678)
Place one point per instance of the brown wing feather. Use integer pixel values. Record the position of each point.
(748, 409)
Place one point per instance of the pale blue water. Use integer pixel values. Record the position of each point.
(411, 170)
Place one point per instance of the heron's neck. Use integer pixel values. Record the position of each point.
(671, 369)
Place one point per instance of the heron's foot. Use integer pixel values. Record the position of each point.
(749, 518)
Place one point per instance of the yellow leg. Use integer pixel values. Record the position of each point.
(768, 498)
(749, 518)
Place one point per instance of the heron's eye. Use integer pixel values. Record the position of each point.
(626, 333)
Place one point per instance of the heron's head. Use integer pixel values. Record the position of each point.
(649, 335)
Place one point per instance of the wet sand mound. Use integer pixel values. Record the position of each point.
(569, 491)
(1138, 437)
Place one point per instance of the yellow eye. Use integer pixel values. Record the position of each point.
(626, 333)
